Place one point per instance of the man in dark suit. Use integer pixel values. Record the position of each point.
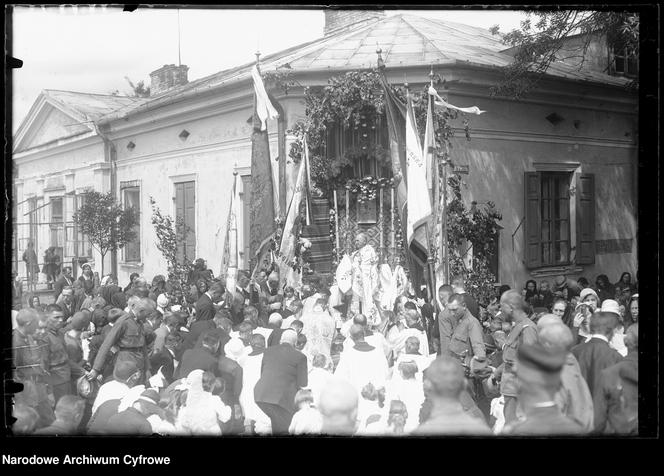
(283, 373)
(205, 308)
(165, 358)
(203, 358)
(64, 280)
(596, 354)
(617, 396)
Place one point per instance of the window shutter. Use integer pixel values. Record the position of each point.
(533, 199)
(179, 219)
(585, 219)
(190, 219)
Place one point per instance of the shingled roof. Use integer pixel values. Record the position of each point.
(91, 106)
(405, 40)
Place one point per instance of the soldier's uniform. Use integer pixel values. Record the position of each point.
(524, 332)
(539, 367)
(29, 370)
(126, 341)
(57, 364)
(467, 340)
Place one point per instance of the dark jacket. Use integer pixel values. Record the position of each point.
(60, 283)
(275, 337)
(616, 399)
(165, 360)
(231, 372)
(194, 359)
(545, 421)
(197, 329)
(283, 373)
(128, 422)
(98, 424)
(204, 308)
(471, 305)
(595, 356)
(127, 336)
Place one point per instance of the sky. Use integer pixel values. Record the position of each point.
(92, 49)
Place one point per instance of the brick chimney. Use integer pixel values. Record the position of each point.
(167, 77)
(336, 20)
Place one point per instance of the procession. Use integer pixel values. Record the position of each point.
(371, 258)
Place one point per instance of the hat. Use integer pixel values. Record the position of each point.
(234, 348)
(150, 395)
(87, 388)
(80, 320)
(609, 305)
(586, 292)
(162, 300)
(124, 369)
(537, 364)
(114, 314)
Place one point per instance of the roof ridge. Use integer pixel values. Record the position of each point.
(92, 94)
(423, 36)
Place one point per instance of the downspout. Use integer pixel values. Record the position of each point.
(110, 155)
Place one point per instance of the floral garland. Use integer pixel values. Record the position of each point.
(367, 187)
(333, 237)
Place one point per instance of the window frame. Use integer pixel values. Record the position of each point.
(137, 243)
(549, 177)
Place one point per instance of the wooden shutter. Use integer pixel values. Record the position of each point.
(190, 219)
(585, 219)
(533, 197)
(179, 218)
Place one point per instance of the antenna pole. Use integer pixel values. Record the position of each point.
(179, 59)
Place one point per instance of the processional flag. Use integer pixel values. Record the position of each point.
(289, 238)
(419, 200)
(261, 214)
(396, 112)
(229, 261)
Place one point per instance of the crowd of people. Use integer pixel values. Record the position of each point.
(263, 358)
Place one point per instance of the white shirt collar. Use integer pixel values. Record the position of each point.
(599, 336)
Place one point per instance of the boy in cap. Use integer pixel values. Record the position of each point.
(538, 372)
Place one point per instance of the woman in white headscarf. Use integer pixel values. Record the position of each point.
(204, 412)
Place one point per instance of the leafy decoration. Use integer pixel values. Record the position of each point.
(108, 226)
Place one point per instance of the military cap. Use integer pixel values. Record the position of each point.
(114, 314)
(537, 364)
(124, 369)
(87, 388)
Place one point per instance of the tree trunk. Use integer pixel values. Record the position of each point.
(103, 255)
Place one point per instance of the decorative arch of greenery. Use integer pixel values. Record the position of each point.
(346, 102)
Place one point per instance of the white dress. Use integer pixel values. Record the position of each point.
(203, 411)
(251, 373)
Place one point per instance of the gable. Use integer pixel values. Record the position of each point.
(50, 124)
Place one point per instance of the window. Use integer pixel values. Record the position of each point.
(132, 199)
(547, 219)
(625, 62)
(56, 210)
(185, 219)
(83, 247)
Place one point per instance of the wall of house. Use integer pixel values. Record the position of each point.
(208, 156)
(53, 173)
(513, 138)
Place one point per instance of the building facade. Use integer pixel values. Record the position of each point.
(561, 166)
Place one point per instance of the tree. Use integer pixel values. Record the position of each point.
(544, 38)
(169, 234)
(139, 89)
(108, 226)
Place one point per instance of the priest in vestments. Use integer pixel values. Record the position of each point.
(365, 280)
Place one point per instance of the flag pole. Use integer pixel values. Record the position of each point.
(431, 240)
